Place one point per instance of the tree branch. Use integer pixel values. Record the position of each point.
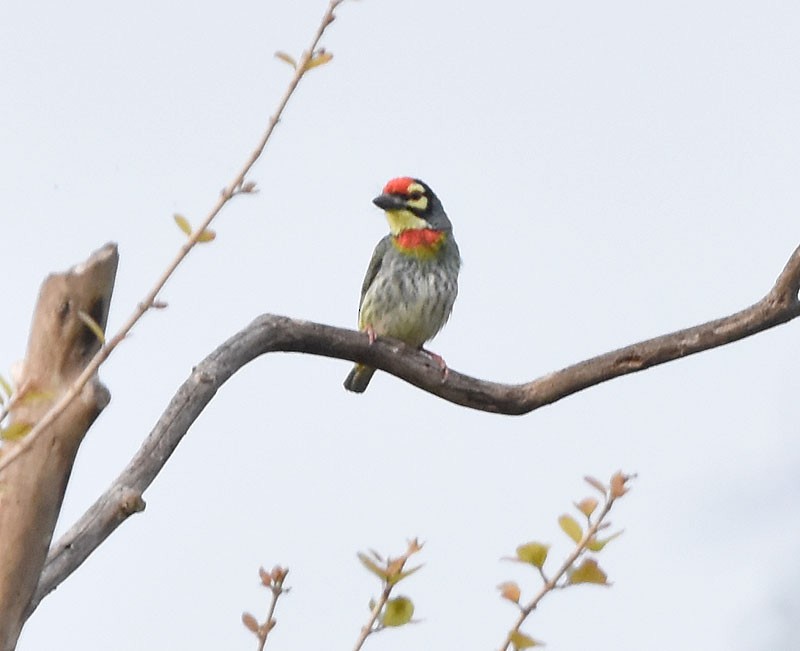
(70, 314)
(235, 187)
(270, 333)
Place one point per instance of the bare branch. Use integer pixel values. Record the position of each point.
(271, 333)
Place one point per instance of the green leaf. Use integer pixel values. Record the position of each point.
(588, 572)
(372, 566)
(93, 325)
(596, 545)
(534, 553)
(398, 611)
(522, 641)
(207, 236)
(5, 386)
(396, 578)
(183, 223)
(33, 397)
(15, 431)
(319, 59)
(571, 527)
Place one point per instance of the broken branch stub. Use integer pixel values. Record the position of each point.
(63, 339)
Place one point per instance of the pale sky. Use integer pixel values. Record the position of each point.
(613, 170)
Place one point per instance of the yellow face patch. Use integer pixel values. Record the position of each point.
(420, 204)
(416, 197)
(403, 220)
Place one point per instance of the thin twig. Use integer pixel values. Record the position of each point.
(580, 547)
(262, 637)
(276, 588)
(369, 627)
(551, 583)
(391, 572)
(231, 190)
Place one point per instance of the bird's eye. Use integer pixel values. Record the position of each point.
(415, 195)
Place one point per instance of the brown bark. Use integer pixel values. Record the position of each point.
(270, 333)
(32, 487)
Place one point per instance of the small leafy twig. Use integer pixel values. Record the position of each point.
(385, 611)
(567, 574)
(274, 581)
(310, 58)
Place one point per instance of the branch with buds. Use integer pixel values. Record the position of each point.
(385, 611)
(274, 582)
(569, 573)
(311, 58)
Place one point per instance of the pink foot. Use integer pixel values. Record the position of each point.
(371, 334)
(440, 361)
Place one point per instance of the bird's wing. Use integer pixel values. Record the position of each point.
(374, 266)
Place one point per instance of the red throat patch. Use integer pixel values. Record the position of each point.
(420, 238)
(398, 186)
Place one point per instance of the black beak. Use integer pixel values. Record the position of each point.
(389, 202)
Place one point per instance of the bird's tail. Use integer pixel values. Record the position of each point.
(359, 378)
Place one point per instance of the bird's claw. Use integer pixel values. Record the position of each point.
(440, 361)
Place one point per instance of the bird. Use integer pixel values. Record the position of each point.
(412, 279)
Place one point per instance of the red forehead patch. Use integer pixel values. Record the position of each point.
(398, 185)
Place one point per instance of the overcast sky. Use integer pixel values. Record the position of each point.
(613, 170)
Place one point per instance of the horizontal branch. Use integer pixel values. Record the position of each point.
(270, 333)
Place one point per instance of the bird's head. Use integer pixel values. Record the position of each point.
(411, 205)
